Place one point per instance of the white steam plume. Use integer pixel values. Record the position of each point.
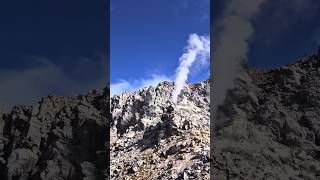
(198, 48)
(232, 32)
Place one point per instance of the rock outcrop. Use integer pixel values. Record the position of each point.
(267, 128)
(152, 138)
(269, 125)
(58, 138)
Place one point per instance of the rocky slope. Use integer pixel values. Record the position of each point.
(152, 138)
(59, 138)
(267, 128)
(269, 125)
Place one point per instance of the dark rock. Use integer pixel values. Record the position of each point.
(58, 138)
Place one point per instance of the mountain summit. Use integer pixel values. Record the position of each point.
(269, 124)
(151, 137)
(56, 139)
(267, 128)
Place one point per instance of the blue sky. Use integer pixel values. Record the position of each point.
(285, 31)
(149, 36)
(59, 47)
(51, 47)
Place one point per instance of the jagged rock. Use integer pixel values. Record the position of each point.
(268, 126)
(160, 132)
(57, 138)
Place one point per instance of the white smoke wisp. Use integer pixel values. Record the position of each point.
(232, 33)
(198, 48)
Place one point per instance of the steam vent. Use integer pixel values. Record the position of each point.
(151, 137)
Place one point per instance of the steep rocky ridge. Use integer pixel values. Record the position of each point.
(152, 138)
(57, 138)
(269, 125)
(267, 128)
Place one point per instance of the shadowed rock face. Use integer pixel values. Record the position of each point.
(267, 128)
(58, 138)
(152, 138)
(269, 125)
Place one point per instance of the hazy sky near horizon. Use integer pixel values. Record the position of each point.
(51, 47)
